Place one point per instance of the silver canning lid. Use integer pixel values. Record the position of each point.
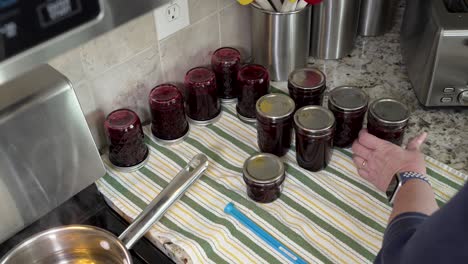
(126, 169)
(204, 122)
(389, 111)
(263, 168)
(275, 106)
(307, 78)
(314, 119)
(348, 98)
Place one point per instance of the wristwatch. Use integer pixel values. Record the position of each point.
(401, 178)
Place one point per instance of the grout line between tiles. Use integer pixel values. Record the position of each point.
(228, 5)
(219, 29)
(158, 44)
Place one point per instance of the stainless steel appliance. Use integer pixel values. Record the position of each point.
(434, 44)
(334, 28)
(47, 154)
(280, 41)
(376, 17)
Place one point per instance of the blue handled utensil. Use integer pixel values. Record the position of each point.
(232, 210)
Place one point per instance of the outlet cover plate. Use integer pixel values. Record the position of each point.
(171, 18)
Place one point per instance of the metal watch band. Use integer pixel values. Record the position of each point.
(409, 175)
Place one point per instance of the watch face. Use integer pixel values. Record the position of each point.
(392, 187)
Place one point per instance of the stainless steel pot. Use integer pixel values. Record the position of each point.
(88, 244)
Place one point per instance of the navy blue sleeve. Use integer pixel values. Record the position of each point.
(418, 238)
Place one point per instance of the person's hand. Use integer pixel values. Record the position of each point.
(378, 160)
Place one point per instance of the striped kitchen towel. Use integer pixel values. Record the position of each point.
(331, 216)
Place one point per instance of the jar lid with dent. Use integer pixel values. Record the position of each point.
(264, 168)
(314, 120)
(275, 107)
(389, 111)
(348, 98)
(307, 78)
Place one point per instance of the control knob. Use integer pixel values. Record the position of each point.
(463, 98)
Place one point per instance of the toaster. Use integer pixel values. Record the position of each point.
(434, 43)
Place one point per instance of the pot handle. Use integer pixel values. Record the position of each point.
(171, 193)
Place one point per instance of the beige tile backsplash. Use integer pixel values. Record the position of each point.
(119, 68)
(200, 40)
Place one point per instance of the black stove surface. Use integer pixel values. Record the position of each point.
(89, 208)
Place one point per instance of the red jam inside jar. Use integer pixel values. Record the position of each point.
(306, 86)
(274, 123)
(127, 147)
(349, 106)
(202, 98)
(226, 63)
(167, 112)
(315, 128)
(254, 82)
(387, 119)
(264, 176)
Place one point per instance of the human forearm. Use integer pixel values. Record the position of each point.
(414, 196)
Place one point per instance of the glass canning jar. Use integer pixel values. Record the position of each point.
(264, 176)
(202, 102)
(168, 123)
(315, 128)
(127, 147)
(274, 123)
(349, 106)
(226, 63)
(387, 119)
(254, 82)
(306, 86)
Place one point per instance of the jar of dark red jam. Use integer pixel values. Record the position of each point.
(264, 175)
(315, 128)
(226, 63)
(274, 123)
(306, 86)
(127, 148)
(203, 106)
(254, 82)
(387, 119)
(349, 106)
(168, 123)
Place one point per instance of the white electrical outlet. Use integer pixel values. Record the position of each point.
(171, 18)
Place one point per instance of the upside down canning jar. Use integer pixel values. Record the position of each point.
(127, 148)
(203, 106)
(226, 63)
(168, 123)
(254, 82)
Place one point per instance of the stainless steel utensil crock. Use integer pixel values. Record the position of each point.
(88, 244)
(334, 28)
(280, 41)
(376, 17)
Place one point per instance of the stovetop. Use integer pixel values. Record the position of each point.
(89, 208)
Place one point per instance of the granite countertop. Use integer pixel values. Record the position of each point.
(376, 65)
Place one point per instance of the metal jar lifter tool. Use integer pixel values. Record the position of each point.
(88, 244)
